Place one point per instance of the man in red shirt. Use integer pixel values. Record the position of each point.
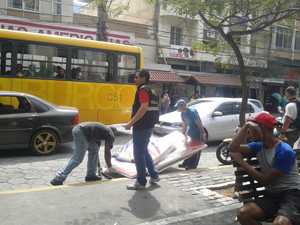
(144, 116)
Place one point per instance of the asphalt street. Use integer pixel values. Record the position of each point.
(20, 169)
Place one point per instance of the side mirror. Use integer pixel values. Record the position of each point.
(217, 113)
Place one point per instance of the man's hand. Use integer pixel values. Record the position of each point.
(281, 137)
(112, 170)
(128, 126)
(204, 138)
(254, 128)
(236, 156)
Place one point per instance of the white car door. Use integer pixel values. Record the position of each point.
(250, 113)
(223, 126)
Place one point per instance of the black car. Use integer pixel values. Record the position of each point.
(29, 121)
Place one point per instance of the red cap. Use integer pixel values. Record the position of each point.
(265, 119)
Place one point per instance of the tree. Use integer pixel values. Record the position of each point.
(236, 19)
(107, 9)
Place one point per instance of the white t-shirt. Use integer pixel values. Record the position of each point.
(290, 111)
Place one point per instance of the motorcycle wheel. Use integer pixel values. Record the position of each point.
(222, 153)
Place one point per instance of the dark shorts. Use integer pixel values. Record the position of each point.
(286, 203)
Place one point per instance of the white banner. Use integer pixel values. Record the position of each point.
(182, 52)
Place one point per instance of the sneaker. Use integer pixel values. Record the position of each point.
(94, 178)
(152, 181)
(135, 186)
(55, 182)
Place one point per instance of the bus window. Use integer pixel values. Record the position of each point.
(5, 58)
(126, 68)
(91, 66)
(40, 60)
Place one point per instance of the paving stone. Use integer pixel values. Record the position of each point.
(17, 180)
(20, 186)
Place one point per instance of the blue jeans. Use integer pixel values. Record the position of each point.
(193, 161)
(164, 109)
(81, 145)
(142, 157)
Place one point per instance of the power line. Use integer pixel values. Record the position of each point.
(166, 37)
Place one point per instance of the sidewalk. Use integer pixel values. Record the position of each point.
(109, 202)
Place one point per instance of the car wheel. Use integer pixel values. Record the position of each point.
(44, 142)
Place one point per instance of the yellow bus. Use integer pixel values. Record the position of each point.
(95, 77)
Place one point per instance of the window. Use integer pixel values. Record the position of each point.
(239, 106)
(209, 34)
(226, 109)
(256, 103)
(126, 68)
(297, 40)
(32, 5)
(39, 107)
(175, 38)
(41, 61)
(12, 104)
(5, 58)
(88, 65)
(284, 38)
(57, 7)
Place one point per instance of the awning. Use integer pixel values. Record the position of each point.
(213, 80)
(164, 77)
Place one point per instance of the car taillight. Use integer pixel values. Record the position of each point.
(76, 119)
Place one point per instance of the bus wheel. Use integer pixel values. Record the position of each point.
(44, 142)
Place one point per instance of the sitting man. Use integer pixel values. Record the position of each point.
(278, 173)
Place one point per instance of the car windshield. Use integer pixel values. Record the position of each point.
(204, 107)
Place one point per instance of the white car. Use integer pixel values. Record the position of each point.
(220, 117)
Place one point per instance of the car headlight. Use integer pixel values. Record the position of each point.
(176, 125)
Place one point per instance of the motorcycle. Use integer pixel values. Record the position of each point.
(222, 152)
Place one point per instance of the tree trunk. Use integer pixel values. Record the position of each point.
(101, 23)
(240, 59)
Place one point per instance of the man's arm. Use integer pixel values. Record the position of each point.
(201, 129)
(142, 110)
(263, 179)
(285, 126)
(184, 127)
(236, 143)
(107, 155)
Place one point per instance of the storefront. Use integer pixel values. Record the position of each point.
(215, 85)
(169, 82)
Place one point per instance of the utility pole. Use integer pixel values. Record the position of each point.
(101, 20)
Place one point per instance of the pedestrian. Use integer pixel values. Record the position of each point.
(88, 136)
(191, 118)
(278, 173)
(144, 116)
(291, 119)
(165, 100)
(172, 102)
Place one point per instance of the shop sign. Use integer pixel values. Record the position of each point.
(293, 74)
(66, 31)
